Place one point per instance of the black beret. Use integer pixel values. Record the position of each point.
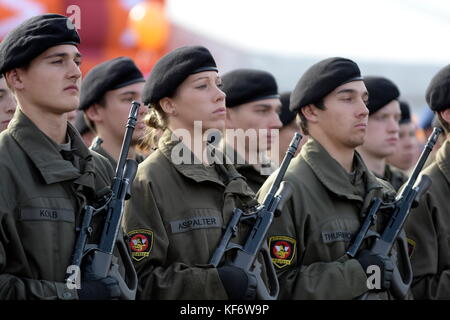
(109, 75)
(248, 85)
(33, 37)
(173, 68)
(381, 92)
(438, 91)
(321, 79)
(286, 115)
(406, 112)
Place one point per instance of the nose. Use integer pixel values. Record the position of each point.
(220, 95)
(275, 122)
(362, 110)
(74, 72)
(393, 125)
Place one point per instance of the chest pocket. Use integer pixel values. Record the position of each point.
(195, 235)
(333, 237)
(47, 235)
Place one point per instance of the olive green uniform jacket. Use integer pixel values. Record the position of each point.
(174, 221)
(394, 176)
(428, 231)
(41, 196)
(308, 241)
(99, 149)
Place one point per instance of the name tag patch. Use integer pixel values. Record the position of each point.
(194, 223)
(36, 214)
(334, 236)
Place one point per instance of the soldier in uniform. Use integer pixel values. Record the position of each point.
(253, 107)
(186, 199)
(7, 104)
(406, 155)
(428, 227)
(332, 189)
(382, 129)
(47, 173)
(106, 95)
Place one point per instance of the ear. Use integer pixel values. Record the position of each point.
(446, 115)
(14, 79)
(95, 112)
(168, 106)
(310, 113)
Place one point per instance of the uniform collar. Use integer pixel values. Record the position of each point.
(196, 171)
(332, 175)
(99, 149)
(45, 153)
(443, 159)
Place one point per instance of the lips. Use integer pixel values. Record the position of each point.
(361, 125)
(72, 87)
(392, 140)
(220, 110)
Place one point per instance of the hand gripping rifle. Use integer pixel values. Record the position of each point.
(98, 259)
(246, 255)
(398, 211)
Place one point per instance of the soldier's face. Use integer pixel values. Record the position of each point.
(52, 80)
(199, 98)
(257, 115)
(382, 131)
(344, 121)
(113, 116)
(406, 154)
(7, 105)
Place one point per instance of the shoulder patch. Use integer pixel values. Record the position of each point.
(282, 250)
(141, 243)
(411, 246)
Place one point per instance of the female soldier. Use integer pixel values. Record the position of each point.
(174, 222)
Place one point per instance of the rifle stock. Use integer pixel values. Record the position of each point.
(398, 212)
(246, 255)
(97, 259)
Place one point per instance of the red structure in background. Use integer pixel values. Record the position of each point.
(105, 27)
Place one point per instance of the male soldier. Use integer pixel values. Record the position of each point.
(106, 95)
(7, 104)
(253, 105)
(331, 191)
(382, 129)
(428, 227)
(47, 173)
(287, 131)
(405, 157)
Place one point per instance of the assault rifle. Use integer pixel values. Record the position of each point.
(98, 259)
(246, 255)
(398, 211)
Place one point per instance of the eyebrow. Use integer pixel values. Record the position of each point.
(207, 78)
(267, 106)
(351, 91)
(62, 55)
(127, 92)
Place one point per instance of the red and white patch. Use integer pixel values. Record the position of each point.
(282, 250)
(141, 243)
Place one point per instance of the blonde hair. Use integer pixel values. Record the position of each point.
(157, 122)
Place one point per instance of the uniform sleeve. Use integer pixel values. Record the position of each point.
(158, 276)
(430, 250)
(340, 279)
(16, 288)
